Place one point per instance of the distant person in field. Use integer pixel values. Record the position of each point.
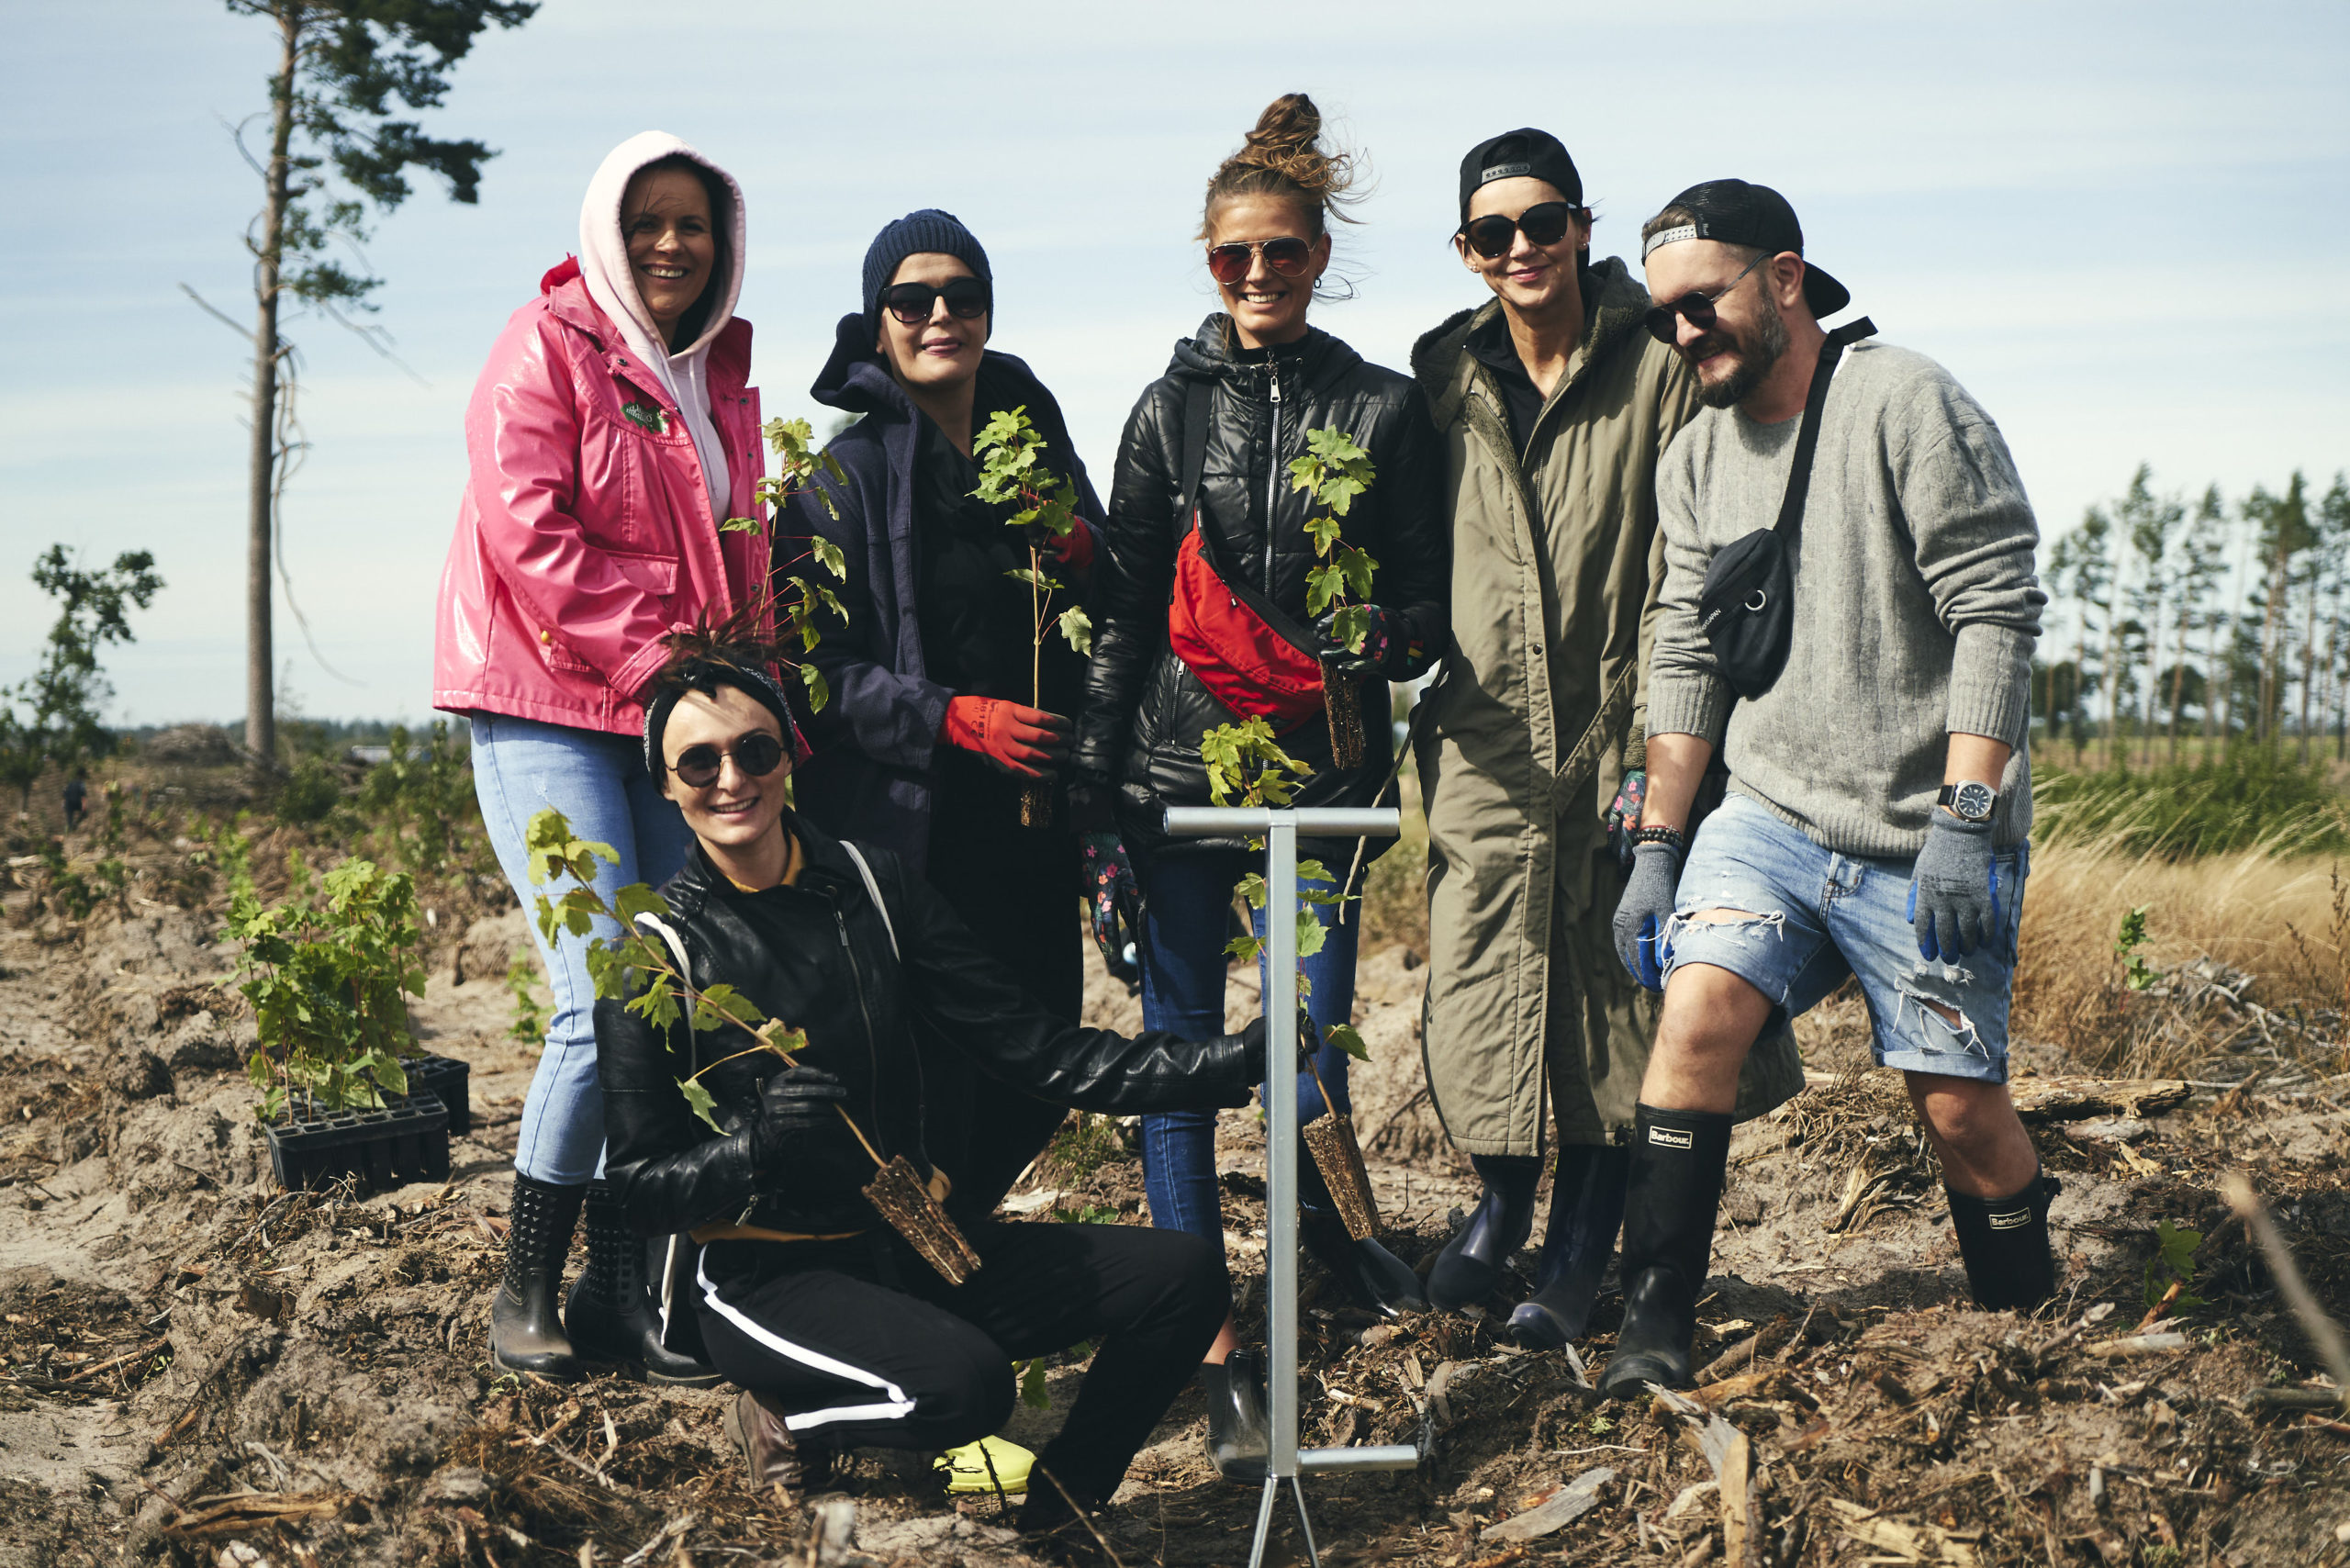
(1880, 794)
(76, 792)
(930, 734)
(609, 435)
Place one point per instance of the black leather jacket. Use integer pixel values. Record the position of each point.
(1144, 710)
(835, 975)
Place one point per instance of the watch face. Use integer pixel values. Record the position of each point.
(1973, 802)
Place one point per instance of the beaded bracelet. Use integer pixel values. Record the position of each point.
(1661, 836)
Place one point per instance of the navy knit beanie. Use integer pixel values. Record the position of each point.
(927, 232)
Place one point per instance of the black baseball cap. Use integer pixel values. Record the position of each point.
(1737, 213)
(1535, 154)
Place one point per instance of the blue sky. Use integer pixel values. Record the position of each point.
(2121, 226)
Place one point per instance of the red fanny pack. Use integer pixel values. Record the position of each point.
(1250, 657)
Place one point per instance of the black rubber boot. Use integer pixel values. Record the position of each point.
(1240, 1442)
(1371, 1274)
(525, 1335)
(2005, 1244)
(1670, 1195)
(1470, 1263)
(1586, 1209)
(610, 1314)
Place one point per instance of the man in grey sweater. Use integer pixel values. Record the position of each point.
(1880, 794)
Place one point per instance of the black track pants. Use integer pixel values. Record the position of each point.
(867, 1347)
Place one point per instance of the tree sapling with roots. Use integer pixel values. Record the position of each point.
(1334, 472)
(1012, 473)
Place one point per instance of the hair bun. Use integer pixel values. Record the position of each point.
(1285, 156)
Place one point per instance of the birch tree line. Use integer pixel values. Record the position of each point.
(2199, 624)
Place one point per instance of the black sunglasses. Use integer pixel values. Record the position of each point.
(1544, 223)
(912, 303)
(1698, 307)
(757, 754)
(1228, 264)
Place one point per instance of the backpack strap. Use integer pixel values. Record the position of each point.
(874, 888)
(1807, 438)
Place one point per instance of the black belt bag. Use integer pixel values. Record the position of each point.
(1746, 608)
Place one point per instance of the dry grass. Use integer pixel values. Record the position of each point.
(2279, 924)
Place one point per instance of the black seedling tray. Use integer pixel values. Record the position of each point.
(449, 1079)
(407, 1140)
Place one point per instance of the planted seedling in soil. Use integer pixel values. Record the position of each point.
(640, 972)
(798, 466)
(1334, 472)
(1012, 473)
(1246, 767)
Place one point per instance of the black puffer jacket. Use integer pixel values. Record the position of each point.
(1144, 710)
(820, 955)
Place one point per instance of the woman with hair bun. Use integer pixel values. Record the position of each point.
(1246, 390)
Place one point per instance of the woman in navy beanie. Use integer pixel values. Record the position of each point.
(929, 737)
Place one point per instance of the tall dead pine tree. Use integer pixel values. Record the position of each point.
(336, 156)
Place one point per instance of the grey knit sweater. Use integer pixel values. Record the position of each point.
(1916, 605)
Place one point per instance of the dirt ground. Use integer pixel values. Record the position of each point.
(198, 1368)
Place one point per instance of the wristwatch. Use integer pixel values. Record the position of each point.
(1970, 802)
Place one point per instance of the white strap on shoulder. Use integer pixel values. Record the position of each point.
(676, 946)
(874, 888)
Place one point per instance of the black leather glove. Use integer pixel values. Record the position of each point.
(1642, 915)
(1252, 1051)
(799, 1134)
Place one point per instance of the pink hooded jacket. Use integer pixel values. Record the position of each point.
(587, 530)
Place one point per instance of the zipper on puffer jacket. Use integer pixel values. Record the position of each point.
(872, 1046)
(1273, 470)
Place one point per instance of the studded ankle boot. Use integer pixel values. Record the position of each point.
(525, 1335)
(610, 1314)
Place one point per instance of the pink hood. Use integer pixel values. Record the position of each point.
(603, 266)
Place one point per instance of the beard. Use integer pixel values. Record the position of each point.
(1754, 361)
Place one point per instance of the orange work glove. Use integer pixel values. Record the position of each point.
(1027, 742)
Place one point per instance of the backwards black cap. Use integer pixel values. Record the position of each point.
(1534, 154)
(1737, 213)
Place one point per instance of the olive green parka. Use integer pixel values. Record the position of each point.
(1539, 710)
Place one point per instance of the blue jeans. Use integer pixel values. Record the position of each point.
(1185, 898)
(599, 782)
(1812, 916)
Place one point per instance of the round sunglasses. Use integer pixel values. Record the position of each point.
(757, 754)
(1289, 256)
(1544, 223)
(1698, 307)
(912, 303)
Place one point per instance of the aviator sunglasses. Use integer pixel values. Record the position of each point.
(1228, 263)
(1545, 223)
(757, 754)
(1698, 307)
(912, 303)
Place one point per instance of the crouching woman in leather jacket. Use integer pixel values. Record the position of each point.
(838, 1332)
(1246, 391)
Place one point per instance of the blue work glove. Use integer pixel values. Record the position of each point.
(1955, 891)
(1646, 906)
(1384, 632)
(1625, 815)
(1114, 901)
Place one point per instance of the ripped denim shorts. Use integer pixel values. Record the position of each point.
(1813, 916)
